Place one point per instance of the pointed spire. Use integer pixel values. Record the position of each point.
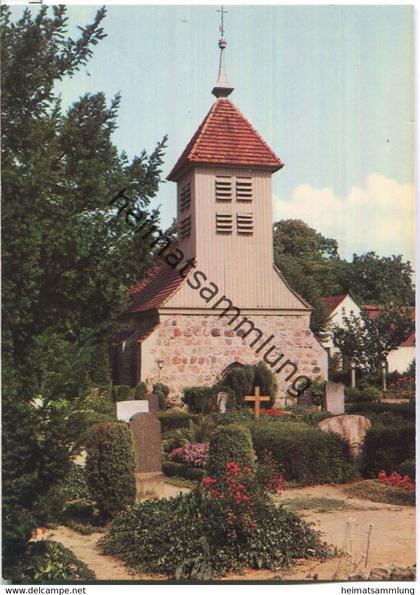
(222, 88)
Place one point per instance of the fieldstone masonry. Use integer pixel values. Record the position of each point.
(196, 349)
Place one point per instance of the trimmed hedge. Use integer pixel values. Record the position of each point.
(386, 447)
(200, 399)
(171, 469)
(305, 454)
(162, 391)
(174, 418)
(122, 392)
(110, 467)
(405, 410)
(227, 444)
(140, 392)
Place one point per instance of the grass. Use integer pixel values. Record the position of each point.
(316, 504)
(181, 482)
(372, 489)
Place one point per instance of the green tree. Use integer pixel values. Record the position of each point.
(381, 280)
(67, 256)
(310, 264)
(368, 341)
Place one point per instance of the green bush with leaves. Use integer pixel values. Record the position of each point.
(405, 410)
(265, 379)
(123, 392)
(407, 467)
(200, 399)
(162, 391)
(47, 561)
(186, 539)
(227, 444)
(171, 469)
(110, 467)
(174, 418)
(387, 446)
(240, 379)
(140, 392)
(306, 454)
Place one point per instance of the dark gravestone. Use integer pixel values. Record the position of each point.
(145, 428)
(153, 403)
(304, 399)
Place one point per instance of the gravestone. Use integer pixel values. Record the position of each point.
(153, 401)
(145, 428)
(304, 399)
(352, 428)
(126, 409)
(222, 399)
(334, 397)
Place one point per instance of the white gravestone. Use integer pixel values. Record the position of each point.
(126, 409)
(222, 399)
(334, 397)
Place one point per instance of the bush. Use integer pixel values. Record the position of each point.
(187, 538)
(200, 399)
(386, 447)
(243, 417)
(311, 417)
(305, 454)
(47, 561)
(405, 410)
(122, 392)
(408, 467)
(265, 379)
(230, 443)
(240, 379)
(140, 392)
(162, 391)
(171, 469)
(110, 467)
(174, 418)
(370, 392)
(176, 438)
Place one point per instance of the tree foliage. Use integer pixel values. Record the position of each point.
(367, 341)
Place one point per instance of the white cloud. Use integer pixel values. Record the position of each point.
(379, 216)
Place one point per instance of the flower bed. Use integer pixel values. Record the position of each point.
(403, 388)
(396, 480)
(273, 412)
(195, 454)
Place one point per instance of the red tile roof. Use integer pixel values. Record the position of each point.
(225, 137)
(332, 301)
(152, 291)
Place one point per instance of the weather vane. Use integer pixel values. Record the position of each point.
(222, 23)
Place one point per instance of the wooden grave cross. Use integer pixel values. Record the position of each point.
(257, 398)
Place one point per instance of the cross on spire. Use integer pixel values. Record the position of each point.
(222, 22)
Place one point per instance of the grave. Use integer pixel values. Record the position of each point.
(334, 397)
(153, 401)
(222, 399)
(145, 428)
(352, 428)
(126, 409)
(304, 399)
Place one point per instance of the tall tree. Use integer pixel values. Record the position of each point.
(67, 256)
(310, 264)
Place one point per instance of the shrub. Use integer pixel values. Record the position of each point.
(370, 392)
(408, 467)
(230, 443)
(317, 390)
(176, 438)
(396, 480)
(110, 468)
(140, 392)
(306, 454)
(405, 410)
(243, 417)
(174, 418)
(172, 469)
(403, 388)
(162, 391)
(386, 447)
(122, 392)
(198, 536)
(47, 560)
(265, 379)
(195, 454)
(200, 399)
(311, 417)
(240, 379)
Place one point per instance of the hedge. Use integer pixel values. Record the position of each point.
(174, 418)
(305, 454)
(200, 399)
(110, 468)
(386, 447)
(170, 468)
(227, 444)
(405, 410)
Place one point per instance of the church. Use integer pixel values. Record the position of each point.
(226, 303)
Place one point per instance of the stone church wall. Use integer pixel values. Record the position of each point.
(196, 350)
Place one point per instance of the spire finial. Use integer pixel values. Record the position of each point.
(222, 87)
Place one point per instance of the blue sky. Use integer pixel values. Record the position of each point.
(330, 88)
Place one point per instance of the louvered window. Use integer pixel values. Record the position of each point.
(243, 189)
(223, 223)
(245, 223)
(185, 197)
(185, 227)
(223, 188)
